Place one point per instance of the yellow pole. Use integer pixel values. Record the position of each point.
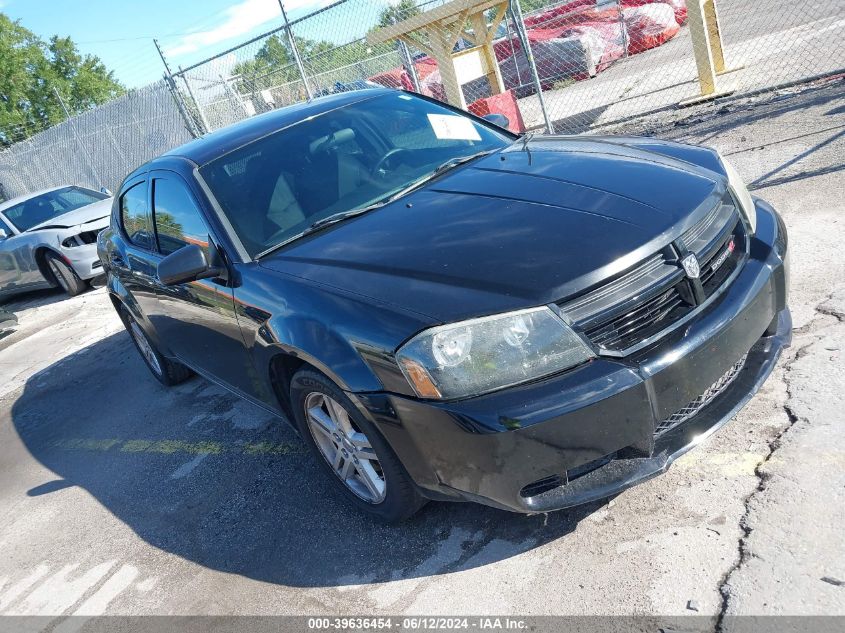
(711, 17)
(701, 46)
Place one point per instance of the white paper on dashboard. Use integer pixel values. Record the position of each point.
(450, 126)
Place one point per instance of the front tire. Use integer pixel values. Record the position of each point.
(64, 275)
(351, 450)
(167, 372)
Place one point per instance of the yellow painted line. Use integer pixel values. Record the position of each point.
(180, 447)
(269, 448)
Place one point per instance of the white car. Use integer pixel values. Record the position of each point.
(49, 238)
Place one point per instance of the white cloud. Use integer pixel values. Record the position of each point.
(237, 20)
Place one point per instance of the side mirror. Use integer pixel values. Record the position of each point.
(106, 191)
(3, 234)
(497, 119)
(189, 263)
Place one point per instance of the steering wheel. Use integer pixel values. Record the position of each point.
(381, 167)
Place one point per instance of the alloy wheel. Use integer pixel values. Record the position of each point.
(144, 346)
(345, 448)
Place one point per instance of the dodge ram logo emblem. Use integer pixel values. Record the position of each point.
(691, 267)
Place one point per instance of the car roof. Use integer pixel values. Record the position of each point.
(17, 200)
(211, 146)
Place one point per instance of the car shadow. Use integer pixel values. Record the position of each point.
(33, 299)
(44, 297)
(196, 472)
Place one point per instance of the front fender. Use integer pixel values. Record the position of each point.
(340, 333)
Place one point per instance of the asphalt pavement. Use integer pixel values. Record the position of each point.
(119, 496)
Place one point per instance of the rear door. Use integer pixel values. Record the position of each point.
(196, 320)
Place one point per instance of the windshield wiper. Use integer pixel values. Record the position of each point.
(460, 160)
(343, 215)
(323, 223)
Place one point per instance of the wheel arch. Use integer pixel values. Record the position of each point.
(40, 256)
(285, 362)
(283, 367)
(122, 300)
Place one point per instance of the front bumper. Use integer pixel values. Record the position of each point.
(84, 259)
(590, 432)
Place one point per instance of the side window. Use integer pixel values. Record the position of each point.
(133, 216)
(178, 222)
(5, 226)
(14, 214)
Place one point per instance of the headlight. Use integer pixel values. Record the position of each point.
(480, 355)
(740, 191)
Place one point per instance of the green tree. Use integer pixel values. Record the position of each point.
(398, 12)
(31, 70)
(274, 65)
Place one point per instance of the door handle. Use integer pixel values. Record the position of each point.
(116, 260)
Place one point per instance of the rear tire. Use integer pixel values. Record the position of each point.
(167, 372)
(64, 275)
(351, 451)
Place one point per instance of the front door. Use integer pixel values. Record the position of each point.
(196, 320)
(133, 260)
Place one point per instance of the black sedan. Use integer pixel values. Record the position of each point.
(447, 311)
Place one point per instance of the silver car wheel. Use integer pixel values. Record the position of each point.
(145, 347)
(345, 448)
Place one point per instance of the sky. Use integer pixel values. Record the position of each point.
(121, 32)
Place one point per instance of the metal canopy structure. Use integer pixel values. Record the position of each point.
(437, 31)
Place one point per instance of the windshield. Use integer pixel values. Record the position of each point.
(47, 206)
(275, 188)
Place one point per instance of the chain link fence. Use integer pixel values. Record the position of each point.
(572, 66)
(642, 55)
(97, 148)
(567, 67)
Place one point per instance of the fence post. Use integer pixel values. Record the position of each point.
(295, 52)
(408, 60)
(622, 28)
(519, 25)
(193, 97)
(174, 92)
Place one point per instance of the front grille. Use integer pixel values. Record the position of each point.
(699, 235)
(685, 413)
(721, 260)
(646, 300)
(645, 320)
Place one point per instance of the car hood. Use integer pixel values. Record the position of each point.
(82, 215)
(527, 226)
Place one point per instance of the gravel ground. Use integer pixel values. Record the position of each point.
(122, 497)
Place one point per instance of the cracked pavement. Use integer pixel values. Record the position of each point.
(122, 497)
